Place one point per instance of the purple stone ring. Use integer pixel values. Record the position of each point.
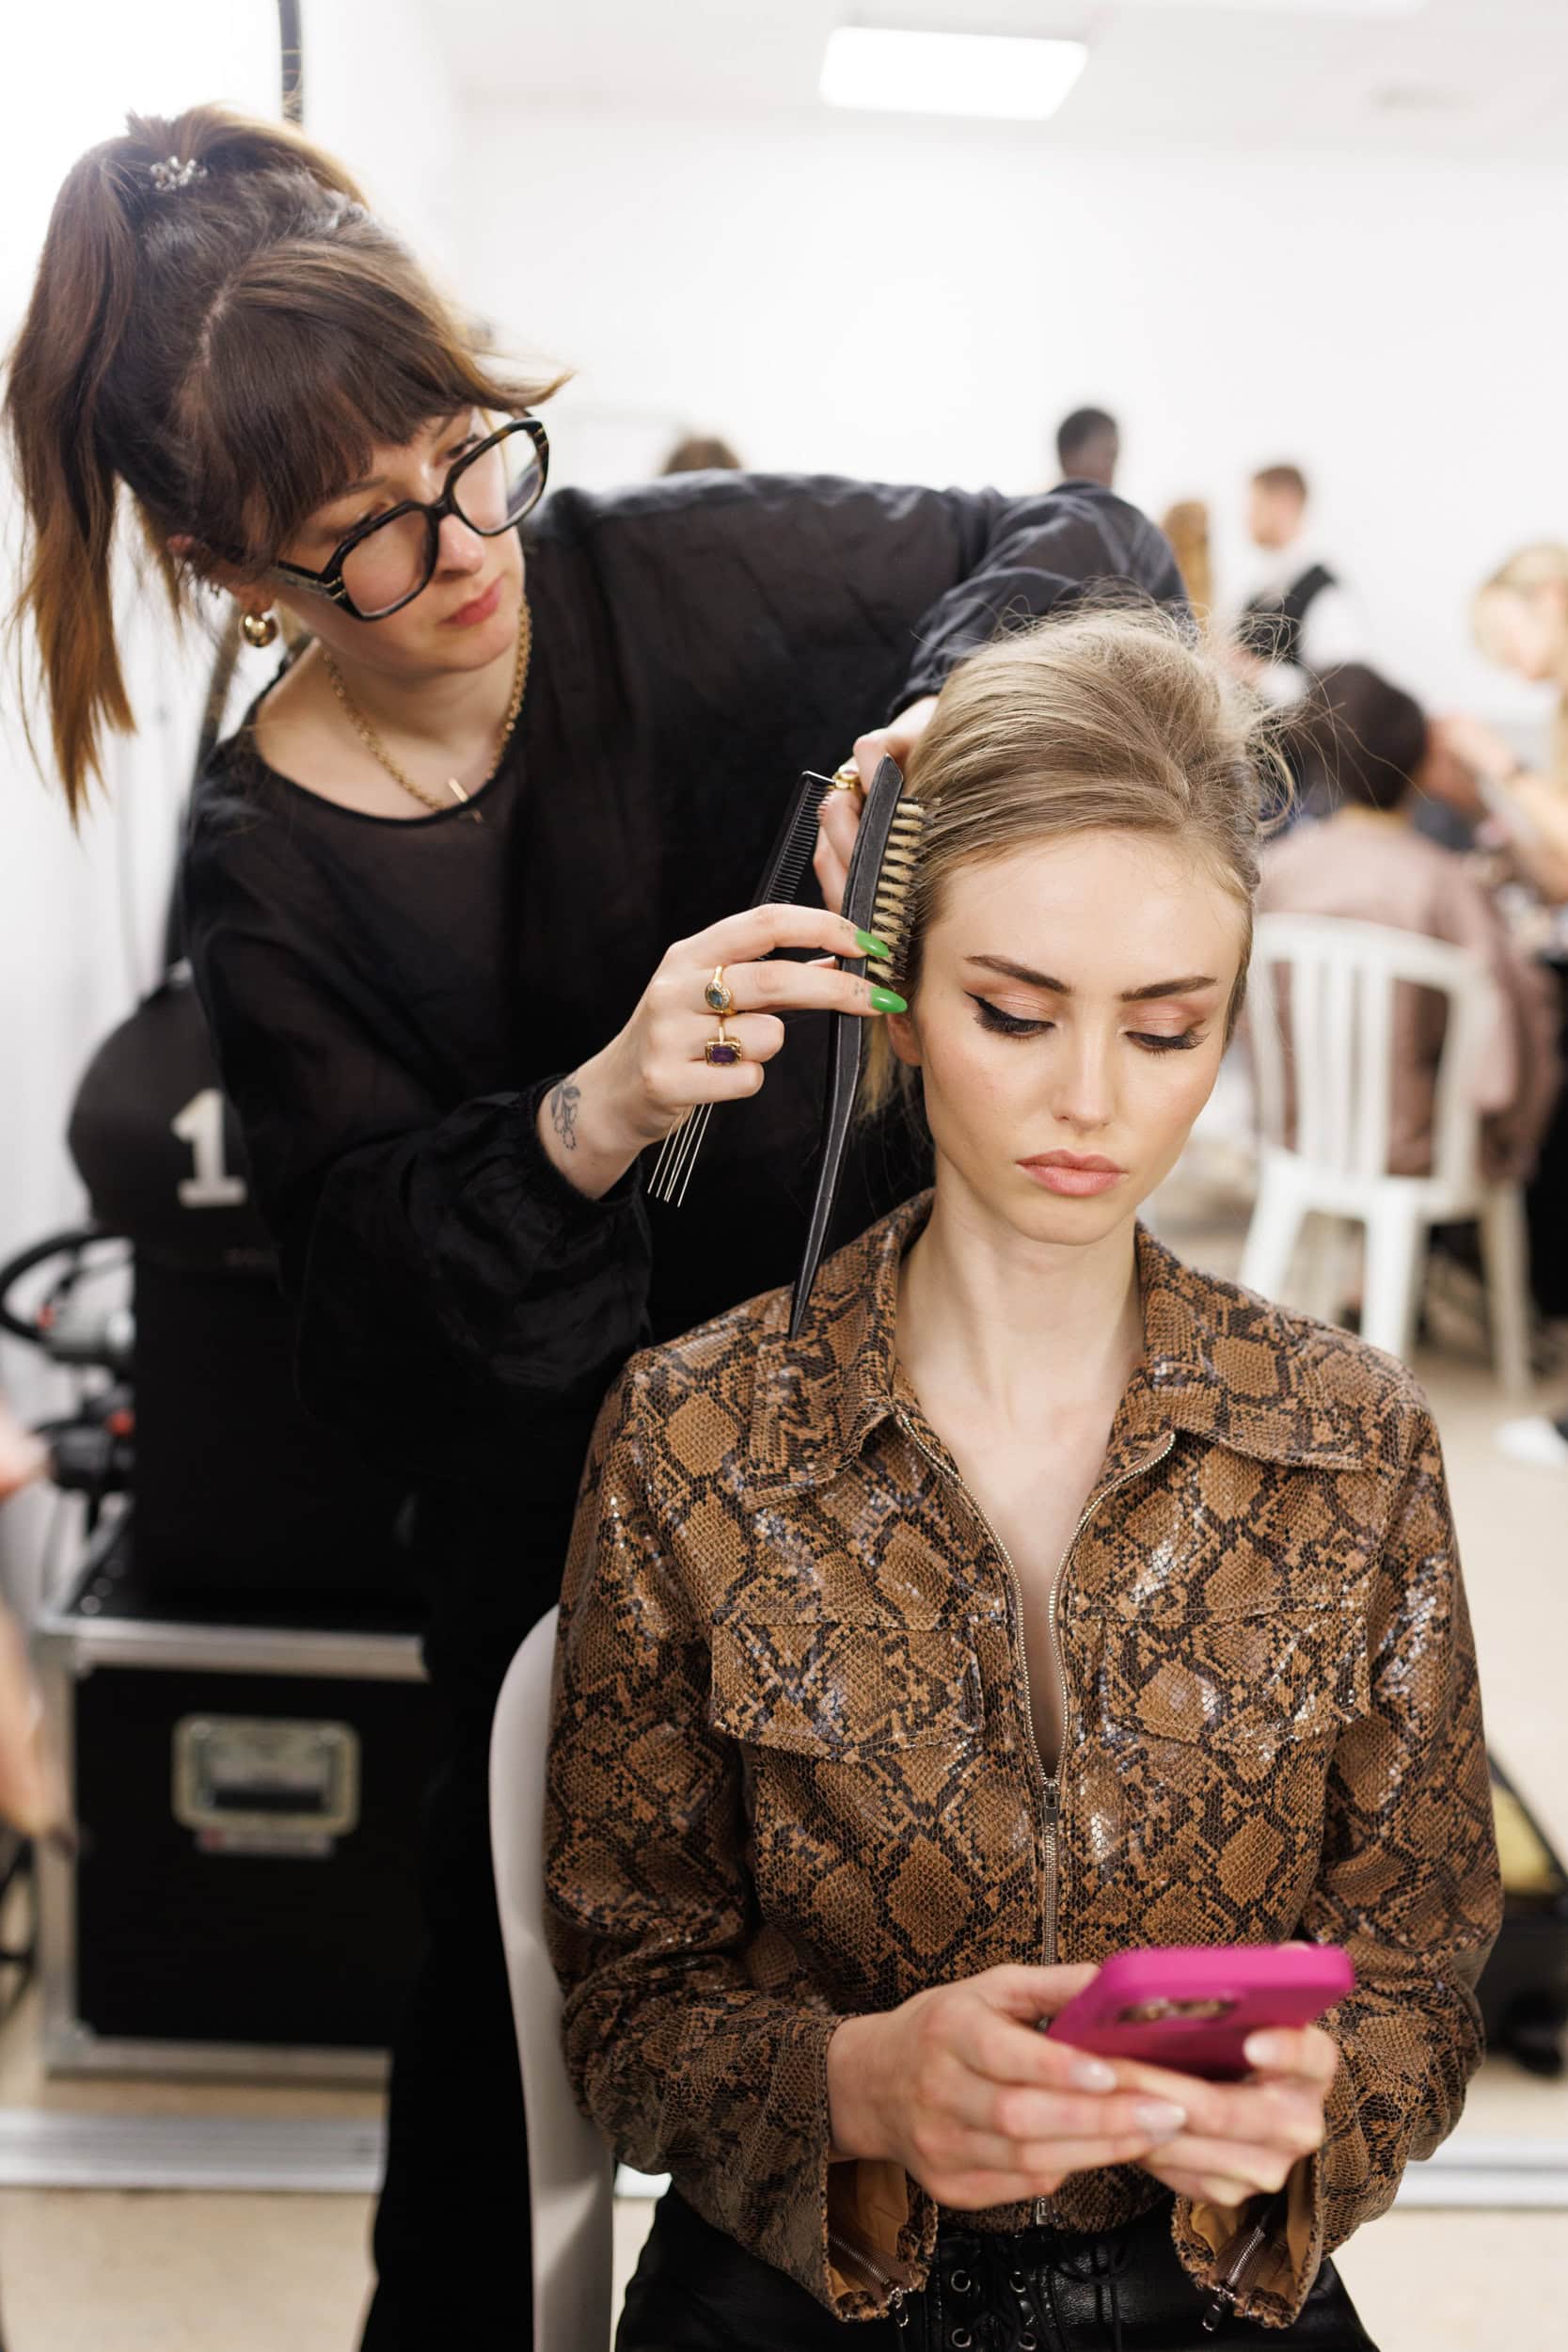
(722, 1051)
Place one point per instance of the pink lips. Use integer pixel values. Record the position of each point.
(468, 615)
(1075, 1176)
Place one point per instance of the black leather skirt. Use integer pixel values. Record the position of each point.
(1043, 2291)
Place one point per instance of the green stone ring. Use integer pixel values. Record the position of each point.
(716, 996)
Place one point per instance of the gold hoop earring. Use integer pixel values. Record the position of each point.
(260, 629)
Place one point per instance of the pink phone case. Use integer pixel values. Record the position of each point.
(1191, 2006)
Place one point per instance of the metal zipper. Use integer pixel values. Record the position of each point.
(869, 2263)
(1054, 1788)
(1231, 2293)
(1050, 1782)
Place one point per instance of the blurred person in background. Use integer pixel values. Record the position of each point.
(701, 453)
(1368, 757)
(33, 1796)
(461, 892)
(1186, 525)
(1520, 618)
(1299, 619)
(31, 1788)
(1088, 447)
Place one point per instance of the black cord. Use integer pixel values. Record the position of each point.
(56, 1246)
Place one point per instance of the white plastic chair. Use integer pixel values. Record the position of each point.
(569, 2167)
(1342, 979)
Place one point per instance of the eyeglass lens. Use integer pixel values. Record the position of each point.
(493, 491)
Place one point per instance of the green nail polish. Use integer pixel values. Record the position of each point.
(887, 1000)
(869, 944)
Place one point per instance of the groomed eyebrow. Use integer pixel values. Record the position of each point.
(1188, 986)
(378, 481)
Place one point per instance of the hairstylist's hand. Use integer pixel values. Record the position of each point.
(838, 820)
(960, 2088)
(1241, 2137)
(644, 1081)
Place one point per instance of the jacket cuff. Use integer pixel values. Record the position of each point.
(856, 2236)
(1210, 2241)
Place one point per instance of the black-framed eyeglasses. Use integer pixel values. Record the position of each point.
(388, 560)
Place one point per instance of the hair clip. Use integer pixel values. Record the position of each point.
(167, 177)
(781, 882)
(875, 898)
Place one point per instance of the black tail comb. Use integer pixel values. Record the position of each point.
(886, 819)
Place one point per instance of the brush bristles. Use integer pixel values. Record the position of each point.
(891, 909)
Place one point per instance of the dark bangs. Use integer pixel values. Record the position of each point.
(317, 350)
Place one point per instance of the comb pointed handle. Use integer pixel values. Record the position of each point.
(846, 1031)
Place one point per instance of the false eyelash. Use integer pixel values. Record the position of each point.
(1004, 1024)
(1011, 1024)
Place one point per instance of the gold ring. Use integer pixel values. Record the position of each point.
(845, 777)
(716, 996)
(723, 1050)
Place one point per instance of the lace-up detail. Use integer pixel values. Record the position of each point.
(1004, 2294)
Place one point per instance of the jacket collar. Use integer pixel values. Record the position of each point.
(1219, 1364)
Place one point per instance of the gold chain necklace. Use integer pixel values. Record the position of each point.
(378, 751)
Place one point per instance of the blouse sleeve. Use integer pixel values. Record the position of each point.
(1024, 558)
(450, 1285)
(1409, 1883)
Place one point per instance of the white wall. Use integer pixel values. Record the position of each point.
(924, 302)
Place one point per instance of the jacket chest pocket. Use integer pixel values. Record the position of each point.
(841, 1692)
(1239, 1683)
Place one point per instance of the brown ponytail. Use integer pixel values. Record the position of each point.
(230, 348)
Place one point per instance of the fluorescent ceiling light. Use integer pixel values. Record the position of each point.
(1290, 7)
(949, 74)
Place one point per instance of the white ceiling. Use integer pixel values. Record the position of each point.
(1470, 78)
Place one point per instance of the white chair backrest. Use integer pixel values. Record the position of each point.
(570, 2170)
(1339, 1053)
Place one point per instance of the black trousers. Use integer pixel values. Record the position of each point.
(452, 2229)
(1044, 2290)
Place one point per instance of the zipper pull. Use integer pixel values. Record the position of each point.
(1052, 1803)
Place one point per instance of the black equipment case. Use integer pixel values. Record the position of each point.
(248, 1794)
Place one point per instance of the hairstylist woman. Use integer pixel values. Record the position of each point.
(1045, 1598)
(432, 884)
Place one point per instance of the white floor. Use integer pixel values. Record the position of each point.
(116, 2272)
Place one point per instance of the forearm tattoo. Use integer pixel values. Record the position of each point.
(565, 1100)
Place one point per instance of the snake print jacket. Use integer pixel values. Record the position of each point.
(794, 1775)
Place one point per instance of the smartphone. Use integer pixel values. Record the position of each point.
(1191, 2006)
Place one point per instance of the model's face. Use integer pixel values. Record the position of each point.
(468, 614)
(1527, 631)
(1068, 1025)
(1273, 517)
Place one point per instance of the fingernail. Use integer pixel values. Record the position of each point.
(1258, 2049)
(1160, 2117)
(887, 1000)
(1092, 2074)
(869, 944)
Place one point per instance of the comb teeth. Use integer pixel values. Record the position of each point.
(890, 910)
(793, 858)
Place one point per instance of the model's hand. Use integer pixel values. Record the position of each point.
(1242, 2138)
(596, 1122)
(960, 2088)
(839, 818)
